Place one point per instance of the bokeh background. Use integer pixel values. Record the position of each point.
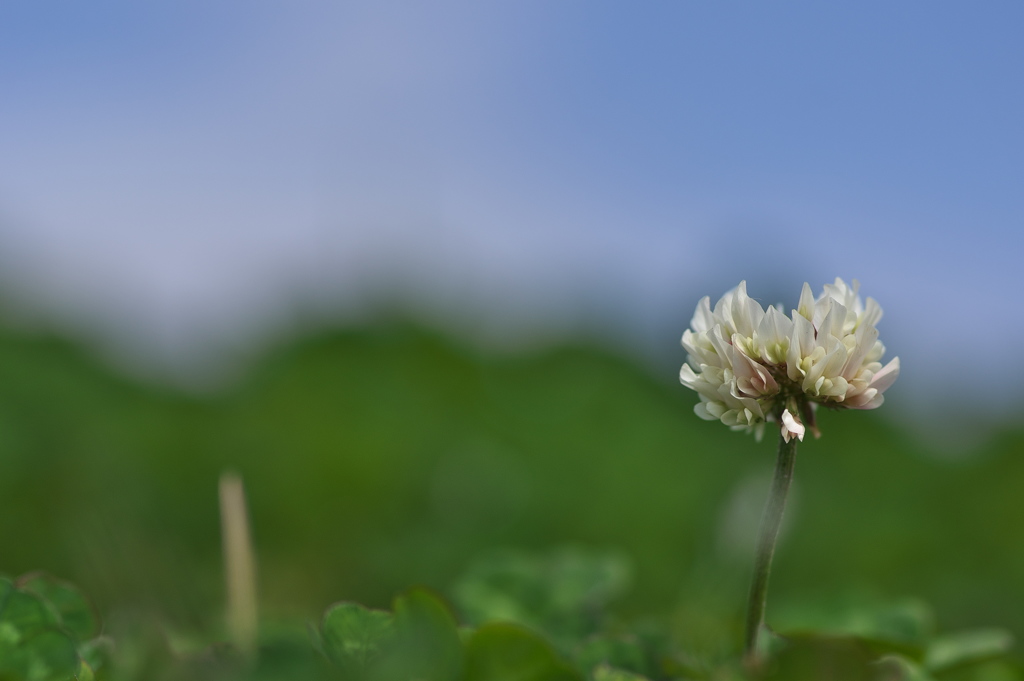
(419, 270)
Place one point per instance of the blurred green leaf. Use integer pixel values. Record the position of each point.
(97, 652)
(23, 614)
(604, 672)
(285, 654)
(353, 636)
(426, 643)
(85, 672)
(903, 626)
(810, 657)
(564, 593)
(46, 655)
(620, 652)
(508, 652)
(899, 668)
(967, 647)
(77, 615)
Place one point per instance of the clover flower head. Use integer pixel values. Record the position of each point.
(750, 365)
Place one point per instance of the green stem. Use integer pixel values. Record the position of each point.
(770, 523)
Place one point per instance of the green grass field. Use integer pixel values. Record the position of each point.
(387, 456)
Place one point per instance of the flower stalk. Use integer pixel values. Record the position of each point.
(771, 521)
(752, 366)
(239, 565)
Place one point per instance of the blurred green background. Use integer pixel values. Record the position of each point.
(391, 454)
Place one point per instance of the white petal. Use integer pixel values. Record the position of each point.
(801, 345)
(703, 319)
(701, 410)
(791, 427)
(872, 313)
(832, 324)
(885, 378)
(866, 336)
(773, 336)
(806, 306)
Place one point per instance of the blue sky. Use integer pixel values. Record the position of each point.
(180, 173)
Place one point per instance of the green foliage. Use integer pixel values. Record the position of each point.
(353, 637)
(895, 639)
(46, 630)
(966, 648)
(74, 611)
(421, 641)
(507, 652)
(565, 593)
(44, 622)
(389, 455)
(605, 673)
(426, 644)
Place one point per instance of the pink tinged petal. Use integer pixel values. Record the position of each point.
(752, 379)
(766, 384)
(875, 402)
(887, 376)
(857, 400)
(869, 399)
(791, 427)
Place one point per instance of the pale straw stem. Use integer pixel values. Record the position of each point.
(239, 565)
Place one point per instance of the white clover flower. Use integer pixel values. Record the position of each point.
(750, 365)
